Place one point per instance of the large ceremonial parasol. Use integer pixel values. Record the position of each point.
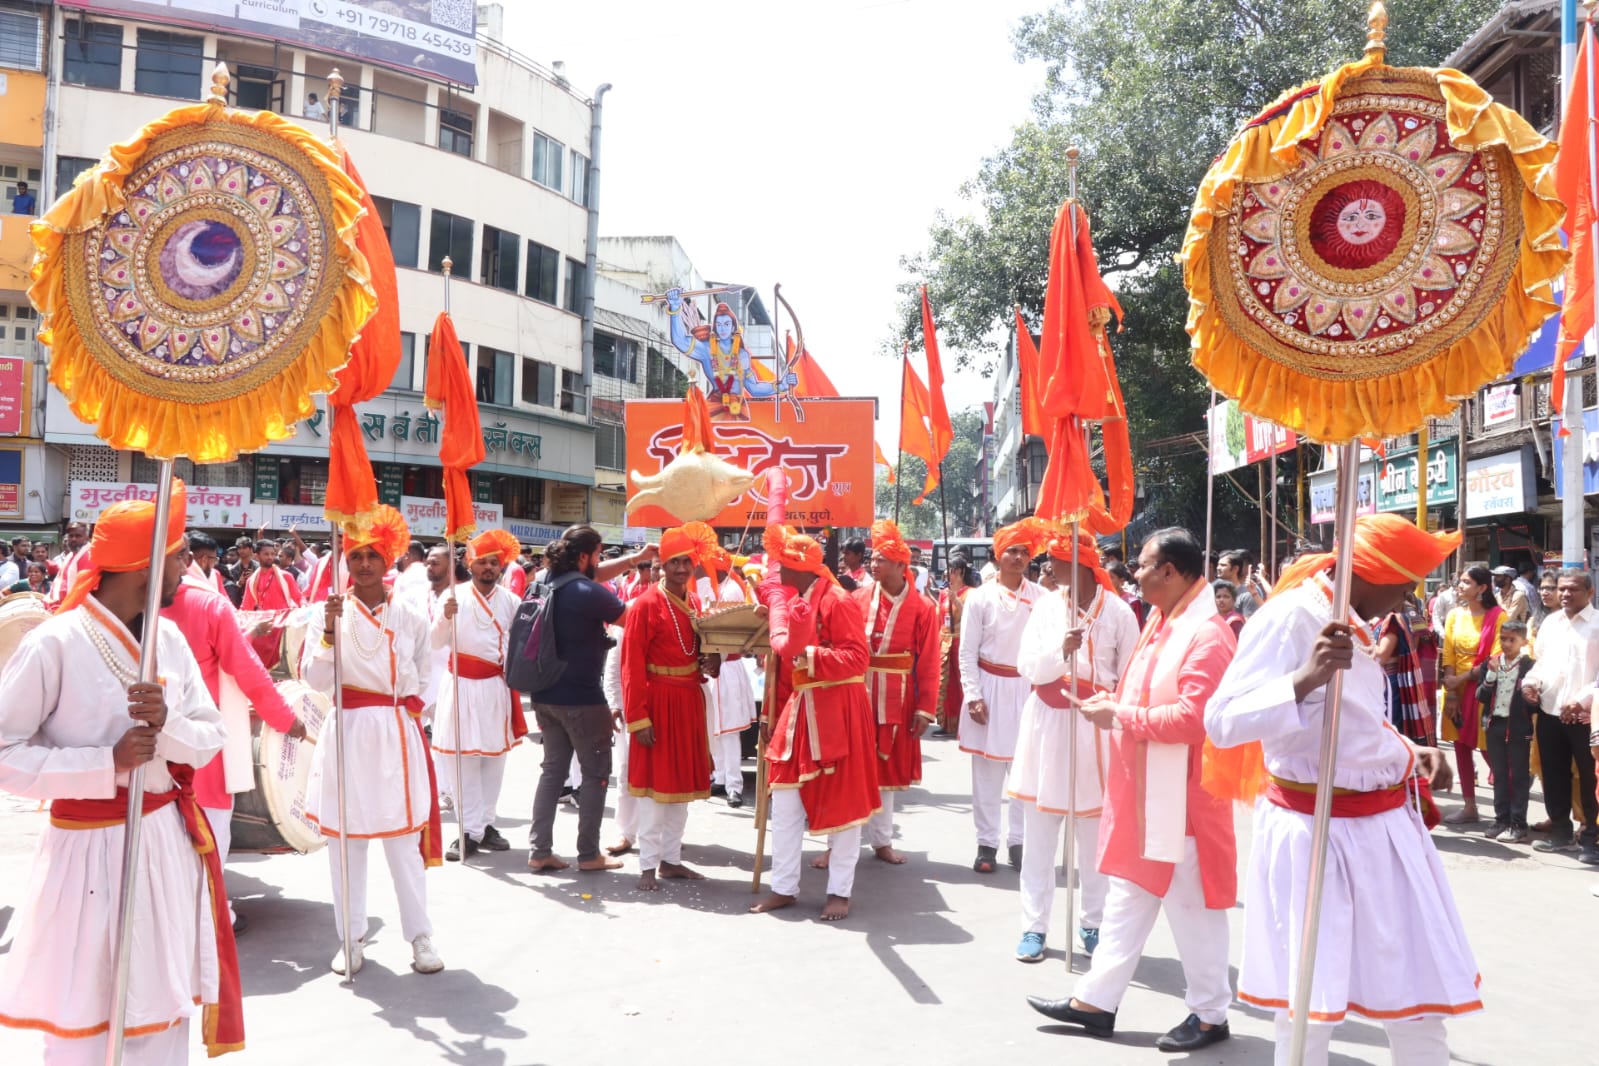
(197, 287)
(1370, 249)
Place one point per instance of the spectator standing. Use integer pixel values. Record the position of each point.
(1237, 568)
(1507, 722)
(1518, 608)
(315, 110)
(24, 203)
(1471, 635)
(1408, 706)
(1561, 680)
(1546, 603)
(1227, 604)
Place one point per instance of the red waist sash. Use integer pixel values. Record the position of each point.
(997, 669)
(1300, 797)
(472, 668)
(1054, 693)
(433, 833)
(224, 1019)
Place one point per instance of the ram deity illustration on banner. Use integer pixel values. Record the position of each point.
(728, 372)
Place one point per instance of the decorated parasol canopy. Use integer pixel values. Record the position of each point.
(202, 282)
(1370, 249)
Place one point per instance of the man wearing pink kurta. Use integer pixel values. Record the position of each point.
(1165, 843)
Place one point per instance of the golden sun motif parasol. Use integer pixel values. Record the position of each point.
(201, 283)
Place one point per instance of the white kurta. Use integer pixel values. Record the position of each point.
(729, 699)
(482, 626)
(438, 661)
(387, 792)
(1391, 944)
(991, 631)
(1042, 774)
(62, 710)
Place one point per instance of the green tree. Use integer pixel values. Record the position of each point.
(1150, 93)
(962, 487)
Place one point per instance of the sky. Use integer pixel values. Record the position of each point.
(804, 143)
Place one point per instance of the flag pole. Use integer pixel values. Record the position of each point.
(1069, 859)
(1571, 512)
(899, 460)
(149, 630)
(455, 664)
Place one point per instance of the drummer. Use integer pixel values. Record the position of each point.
(237, 681)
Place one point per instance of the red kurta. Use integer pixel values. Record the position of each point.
(1170, 679)
(901, 677)
(661, 690)
(269, 590)
(824, 742)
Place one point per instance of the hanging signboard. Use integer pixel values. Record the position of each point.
(1399, 476)
(1322, 489)
(1503, 484)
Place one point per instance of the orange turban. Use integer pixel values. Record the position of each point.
(386, 533)
(694, 539)
(888, 542)
(796, 551)
(121, 542)
(494, 542)
(1389, 550)
(1030, 533)
(1060, 547)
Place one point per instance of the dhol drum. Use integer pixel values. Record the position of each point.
(20, 614)
(270, 819)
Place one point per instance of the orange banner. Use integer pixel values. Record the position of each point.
(831, 481)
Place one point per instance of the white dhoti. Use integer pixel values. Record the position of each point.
(1044, 838)
(626, 803)
(1412, 1042)
(988, 795)
(661, 828)
(406, 869)
(167, 1048)
(726, 703)
(483, 741)
(788, 845)
(480, 783)
(880, 826)
(1200, 933)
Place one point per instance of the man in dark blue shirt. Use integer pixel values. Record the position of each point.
(23, 202)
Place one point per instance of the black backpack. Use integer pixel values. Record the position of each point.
(532, 662)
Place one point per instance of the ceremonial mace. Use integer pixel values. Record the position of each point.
(455, 664)
(336, 575)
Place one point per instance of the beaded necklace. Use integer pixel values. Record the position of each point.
(687, 607)
(96, 630)
(377, 616)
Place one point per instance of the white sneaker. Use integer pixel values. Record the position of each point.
(356, 951)
(423, 958)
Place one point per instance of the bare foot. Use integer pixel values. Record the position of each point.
(547, 865)
(598, 865)
(889, 855)
(775, 902)
(836, 909)
(821, 861)
(647, 882)
(621, 847)
(676, 871)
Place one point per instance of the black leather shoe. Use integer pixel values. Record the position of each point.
(1016, 856)
(453, 854)
(1190, 1037)
(493, 841)
(1095, 1023)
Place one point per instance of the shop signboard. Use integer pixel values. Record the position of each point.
(1237, 439)
(1503, 484)
(1590, 454)
(11, 482)
(1323, 492)
(209, 508)
(426, 517)
(1499, 406)
(266, 479)
(13, 397)
(1400, 474)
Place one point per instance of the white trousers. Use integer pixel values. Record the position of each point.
(880, 830)
(1412, 1042)
(626, 802)
(406, 870)
(1044, 837)
(170, 1048)
(477, 794)
(727, 762)
(788, 845)
(221, 819)
(1201, 936)
(988, 793)
(661, 828)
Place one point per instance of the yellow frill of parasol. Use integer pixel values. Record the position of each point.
(1337, 411)
(212, 428)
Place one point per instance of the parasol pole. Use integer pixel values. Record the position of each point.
(455, 665)
(335, 91)
(899, 459)
(1348, 488)
(1272, 466)
(1069, 860)
(1210, 478)
(135, 818)
(1423, 454)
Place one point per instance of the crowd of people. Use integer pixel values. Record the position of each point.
(1137, 704)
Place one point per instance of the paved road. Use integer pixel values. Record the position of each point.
(575, 970)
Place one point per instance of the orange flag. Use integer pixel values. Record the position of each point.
(1027, 371)
(1575, 185)
(812, 380)
(449, 391)
(1076, 380)
(939, 425)
(915, 426)
(352, 490)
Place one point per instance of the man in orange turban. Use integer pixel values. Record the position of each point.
(663, 672)
(992, 621)
(75, 721)
(391, 795)
(1382, 866)
(478, 717)
(822, 748)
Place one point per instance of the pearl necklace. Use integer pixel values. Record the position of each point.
(487, 603)
(355, 629)
(114, 663)
(677, 631)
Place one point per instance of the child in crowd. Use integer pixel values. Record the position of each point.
(1507, 724)
(1227, 604)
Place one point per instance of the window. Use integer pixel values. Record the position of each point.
(574, 286)
(547, 153)
(253, 87)
(543, 273)
(168, 64)
(663, 380)
(21, 40)
(405, 373)
(455, 132)
(578, 187)
(573, 398)
(538, 383)
(402, 224)
(500, 262)
(495, 374)
(68, 167)
(93, 54)
(615, 357)
(610, 446)
(451, 236)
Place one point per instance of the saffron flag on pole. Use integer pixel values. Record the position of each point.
(449, 391)
(915, 421)
(940, 428)
(1034, 423)
(1574, 183)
